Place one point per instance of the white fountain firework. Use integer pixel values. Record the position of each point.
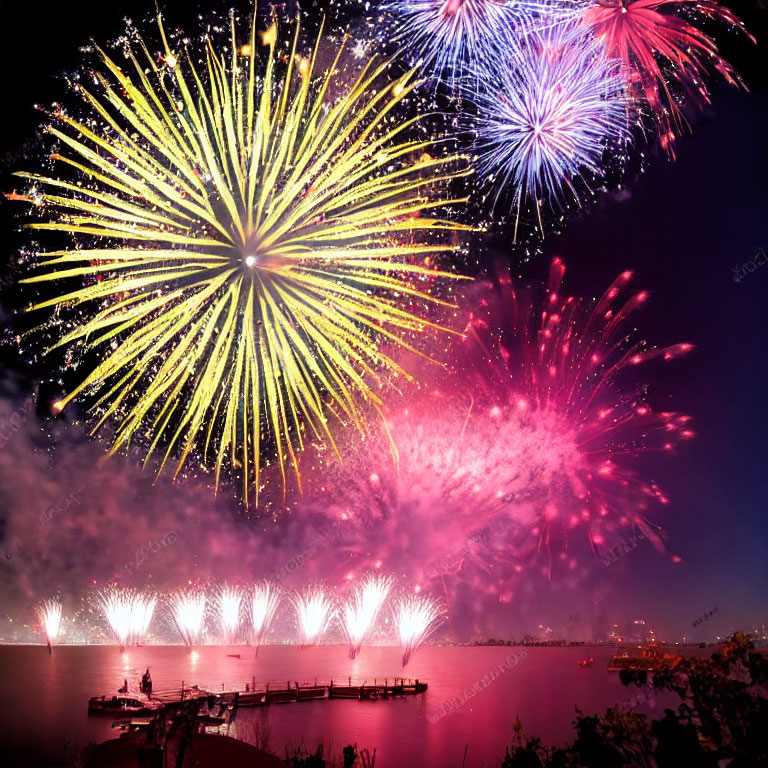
(362, 609)
(49, 614)
(416, 618)
(265, 598)
(188, 614)
(128, 614)
(314, 610)
(229, 604)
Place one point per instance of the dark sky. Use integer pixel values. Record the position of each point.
(683, 227)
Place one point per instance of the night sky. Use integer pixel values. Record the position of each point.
(682, 226)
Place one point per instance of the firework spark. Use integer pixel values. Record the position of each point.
(665, 56)
(416, 618)
(361, 610)
(246, 241)
(314, 611)
(188, 613)
(546, 116)
(228, 605)
(128, 613)
(49, 615)
(264, 601)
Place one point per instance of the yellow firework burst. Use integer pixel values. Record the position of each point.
(246, 238)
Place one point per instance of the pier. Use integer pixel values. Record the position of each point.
(255, 694)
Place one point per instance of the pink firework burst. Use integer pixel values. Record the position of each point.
(666, 57)
(531, 439)
(561, 371)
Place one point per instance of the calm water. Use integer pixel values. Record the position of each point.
(43, 699)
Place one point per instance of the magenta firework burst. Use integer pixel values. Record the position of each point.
(562, 371)
(667, 58)
(533, 437)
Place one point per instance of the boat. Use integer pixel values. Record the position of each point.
(233, 655)
(133, 724)
(311, 693)
(119, 703)
(587, 662)
(374, 694)
(643, 660)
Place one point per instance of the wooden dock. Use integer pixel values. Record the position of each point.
(265, 694)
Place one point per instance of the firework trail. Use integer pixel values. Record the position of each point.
(188, 614)
(264, 601)
(314, 611)
(246, 232)
(528, 441)
(228, 605)
(450, 37)
(362, 608)
(416, 618)
(666, 58)
(49, 615)
(547, 114)
(128, 613)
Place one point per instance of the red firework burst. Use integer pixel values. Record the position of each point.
(666, 57)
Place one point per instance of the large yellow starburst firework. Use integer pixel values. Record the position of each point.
(246, 237)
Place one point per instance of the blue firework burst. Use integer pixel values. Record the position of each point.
(451, 36)
(547, 114)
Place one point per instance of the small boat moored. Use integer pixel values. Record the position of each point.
(122, 703)
(643, 659)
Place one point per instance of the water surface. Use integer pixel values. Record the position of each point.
(43, 699)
